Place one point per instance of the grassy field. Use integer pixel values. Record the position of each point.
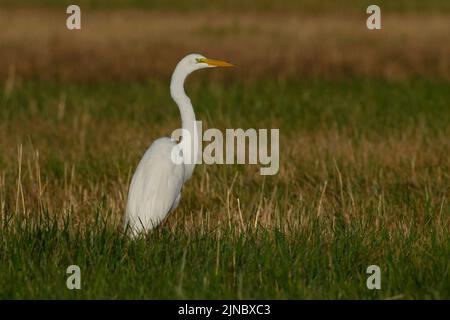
(132, 44)
(364, 178)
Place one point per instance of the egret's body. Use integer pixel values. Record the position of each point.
(155, 188)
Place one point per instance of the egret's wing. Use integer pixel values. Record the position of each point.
(155, 187)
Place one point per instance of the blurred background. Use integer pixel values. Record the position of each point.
(137, 39)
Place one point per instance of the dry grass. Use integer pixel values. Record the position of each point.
(130, 44)
(79, 161)
(324, 177)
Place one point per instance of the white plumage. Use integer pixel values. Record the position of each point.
(155, 188)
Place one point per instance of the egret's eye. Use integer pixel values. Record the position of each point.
(200, 60)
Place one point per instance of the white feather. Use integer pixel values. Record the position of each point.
(155, 188)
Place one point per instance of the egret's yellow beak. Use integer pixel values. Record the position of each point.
(215, 63)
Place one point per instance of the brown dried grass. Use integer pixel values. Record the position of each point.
(131, 44)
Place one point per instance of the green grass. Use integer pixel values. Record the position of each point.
(261, 264)
(364, 179)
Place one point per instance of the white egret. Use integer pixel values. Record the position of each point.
(155, 188)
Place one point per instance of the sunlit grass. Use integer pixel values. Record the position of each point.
(364, 179)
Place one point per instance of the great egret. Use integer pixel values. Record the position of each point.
(155, 188)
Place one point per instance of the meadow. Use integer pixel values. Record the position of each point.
(364, 176)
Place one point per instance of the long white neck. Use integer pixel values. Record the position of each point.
(189, 139)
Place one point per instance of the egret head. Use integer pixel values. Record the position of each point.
(195, 61)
